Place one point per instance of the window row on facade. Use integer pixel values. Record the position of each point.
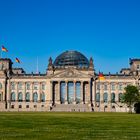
(35, 97)
(112, 86)
(105, 97)
(27, 106)
(28, 85)
(36, 86)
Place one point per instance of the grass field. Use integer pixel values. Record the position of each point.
(69, 126)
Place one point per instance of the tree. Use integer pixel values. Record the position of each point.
(131, 96)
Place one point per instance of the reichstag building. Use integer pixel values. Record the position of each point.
(69, 84)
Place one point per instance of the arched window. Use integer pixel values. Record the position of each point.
(105, 97)
(42, 97)
(20, 97)
(27, 97)
(13, 97)
(97, 97)
(0, 85)
(120, 97)
(35, 97)
(112, 97)
(12, 86)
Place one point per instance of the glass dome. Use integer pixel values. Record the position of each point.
(71, 58)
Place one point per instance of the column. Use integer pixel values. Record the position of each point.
(8, 94)
(24, 91)
(74, 96)
(89, 93)
(93, 93)
(109, 98)
(32, 87)
(117, 92)
(58, 93)
(16, 93)
(59, 90)
(51, 91)
(82, 101)
(3, 94)
(40, 92)
(109, 93)
(66, 95)
(101, 91)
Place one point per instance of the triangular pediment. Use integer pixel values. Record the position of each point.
(71, 73)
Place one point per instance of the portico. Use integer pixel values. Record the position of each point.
(71, 92)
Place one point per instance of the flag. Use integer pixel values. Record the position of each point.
(101, 76)
(4, 49)
(17, 60)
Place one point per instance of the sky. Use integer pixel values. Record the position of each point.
(107, 30)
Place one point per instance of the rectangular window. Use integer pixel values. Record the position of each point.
(43, 86)
(19, 85)
(120, 86)
(28, 86)
(20, 106)
(105, 87)
(35, 106)
(27, 106)
(12, 86)
(112, 87)
(138, 67)
(35, 86)
(98, 86)
(12, 106)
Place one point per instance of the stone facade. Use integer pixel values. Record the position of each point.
(64, 88)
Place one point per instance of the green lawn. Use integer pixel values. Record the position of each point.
(69, 126)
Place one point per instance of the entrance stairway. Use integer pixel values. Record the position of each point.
(71, 108)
